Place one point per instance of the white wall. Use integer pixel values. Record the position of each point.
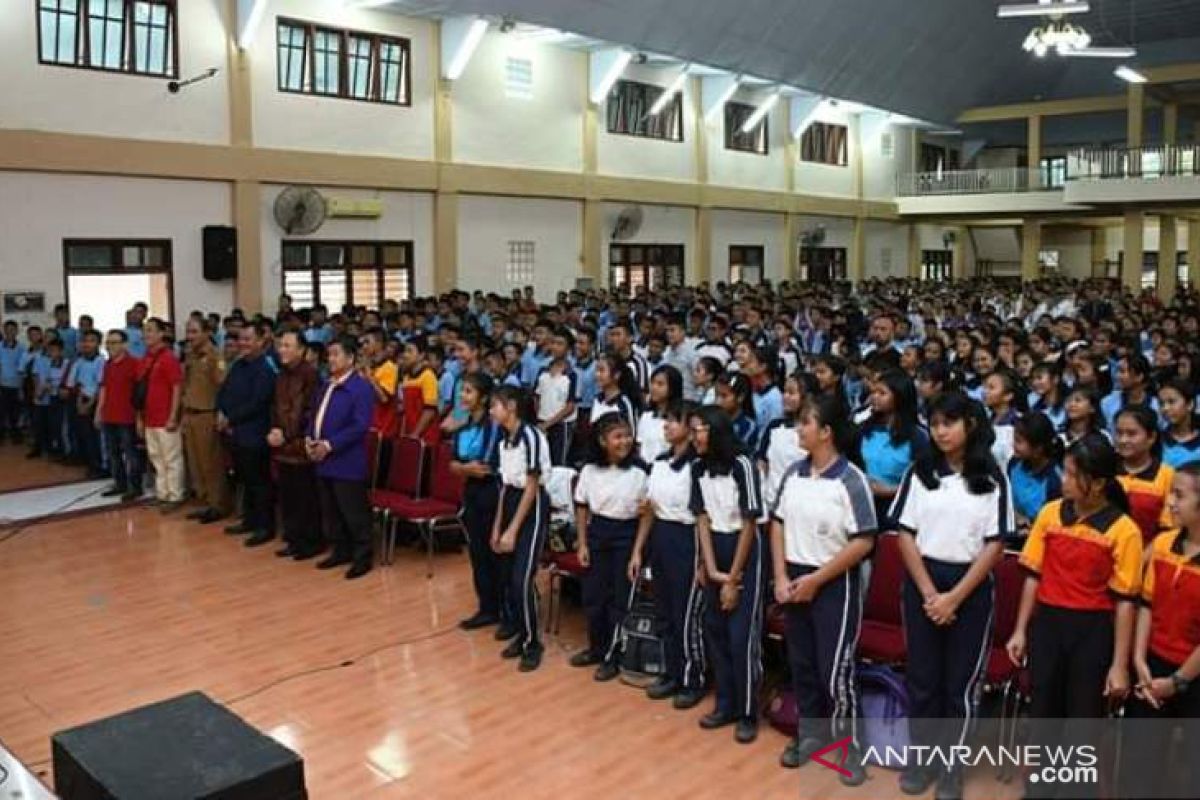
(737, 168)
(637, 156)
(879, 170)
(886, 250)
(407, 216)
(487, 224)
(823, 179)
(42, 210)
(660, 225)
(307, 122)
(34, 96)
(545, 131)
(747, 228)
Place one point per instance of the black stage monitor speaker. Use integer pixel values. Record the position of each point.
(185, 748)
(220, 252)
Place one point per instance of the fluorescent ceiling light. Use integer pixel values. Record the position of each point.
(1101, 52)
(665, 97)
(466, 48)
(760, 112)
(250, 26)
(1042, 9)
(724, 97)
(620, 60)
(1129, 74)
(367, 3)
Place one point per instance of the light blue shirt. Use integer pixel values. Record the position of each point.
(1111, 405)
(41, 369)
(768, 406)
(446, 383)
(533, 362)
(70, 340)
(85, 375)
(321, 335)
(137, 343)
(12, 361)
(585, 381)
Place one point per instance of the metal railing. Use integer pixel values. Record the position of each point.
(1160, 161)
(1004, 180)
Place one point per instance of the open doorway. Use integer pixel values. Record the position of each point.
(104, 278)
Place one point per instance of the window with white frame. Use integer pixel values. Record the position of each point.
(518, 270)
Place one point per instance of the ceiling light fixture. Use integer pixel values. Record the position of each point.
(675, 86)
(728, 86)
(759, 113)
(1045, 8)
(1102, 52)
(1057, 36)
(620, 60)
(251, 16)
(1129, 74)
(466, 45)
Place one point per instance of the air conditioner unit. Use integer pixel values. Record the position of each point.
(348, 207)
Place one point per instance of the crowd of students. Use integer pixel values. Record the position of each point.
(747, 444)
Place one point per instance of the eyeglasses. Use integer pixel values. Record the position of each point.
(700, 428)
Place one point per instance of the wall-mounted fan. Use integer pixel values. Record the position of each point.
(628, 223)
(300, 210)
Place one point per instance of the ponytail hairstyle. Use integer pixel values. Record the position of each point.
(600, 429)
(1056, 375)
(827, 411)
(626, 383)
(1096, 460)
(1147, 420)
(739, 384)
(522, 399)
(1137, 363)
(980, 471)
(1096, 423)
(1037, 429)
(482, 383)
(1014, 386)
(904, 405)
(938, 372)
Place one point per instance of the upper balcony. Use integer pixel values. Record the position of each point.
(1160, 174)
(1005, 190)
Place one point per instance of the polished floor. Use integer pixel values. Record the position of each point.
(18, 472)
(370, 681)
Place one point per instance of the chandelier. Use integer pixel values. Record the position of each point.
(1056, 35)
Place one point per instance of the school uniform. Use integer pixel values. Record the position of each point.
(1084, 565)
(1147, 492)
(746, 431)
(734, 637)
(39, 405)
(651, 436)
(640, 369)
(887, 461)
(768, 405)
(1056, 414)
(951, 527)
(674, 555)
(1002, 448)
(821, 512)
(1176, 453)
(778, 447)
(12, 360)
(1112, 403)
(477, 442)
(522, 454)
(555, 391)
(615, 404)
(611, 495)
(1031, 488)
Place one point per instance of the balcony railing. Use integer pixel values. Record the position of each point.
(1161, 161)
(1006, 180)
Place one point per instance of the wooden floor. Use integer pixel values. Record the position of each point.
(369, 680)
(18, 472)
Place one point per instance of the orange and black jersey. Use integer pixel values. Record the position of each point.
(1171, 588)
(1147, 491)
(1084, 563)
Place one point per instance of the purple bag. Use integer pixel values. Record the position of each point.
(884, 702)
(782, 711)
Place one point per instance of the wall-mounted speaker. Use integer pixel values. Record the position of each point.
(220, 252)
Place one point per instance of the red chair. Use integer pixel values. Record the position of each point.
(438, 512)
(1001, 674)
(405, 482)
(560, 566)
(881, 639)
(374, 448)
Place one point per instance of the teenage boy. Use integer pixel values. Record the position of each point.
(557, 390)
(12, 361)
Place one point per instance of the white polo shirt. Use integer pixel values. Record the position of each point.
(779, 446)
(821, 512)
(613, 491)
(651, 436)
(618, 404)
(554, 392)
(525, 452)
(669, 489)
(949, 523)
(726, 499)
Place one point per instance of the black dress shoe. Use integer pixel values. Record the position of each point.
(949, 786)
(917, 780)
(210, 516)
(515, 649)
(112, 491)
(687, 698)
(358, 570)
(799, 752)
(333, 562)
(305, 553)
(197, 513)
(531, 659)
(477, 621)
(585, 658)
(130, 496)
(662, 688)
(606, 672)
(858, 772)
(505, 632)
(260, 538)
(238, 528)
(285, 552)
(716, 720)
(746, 731)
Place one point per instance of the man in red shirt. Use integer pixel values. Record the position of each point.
(116, 418)
(160, 416)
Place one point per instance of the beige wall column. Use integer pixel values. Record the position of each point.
(702, 261)
(858, 253)
(1194, 252)
(788, 261)
(1131, 270)
(593, 235)
(1170, 117)
(443, 105)
(1135, 113)
(789, 151)
(1031, 246)
(914, 252)
(1099, 252)
(1167, 248)
(445, 241)
(247, 218)
(241, 110)
(1034, 149)
(961, 240)
(700, 155)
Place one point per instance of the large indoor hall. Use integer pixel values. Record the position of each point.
(543, 398)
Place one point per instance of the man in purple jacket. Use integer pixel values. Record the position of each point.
(337, 444)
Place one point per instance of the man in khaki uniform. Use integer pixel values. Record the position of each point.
(202, 377)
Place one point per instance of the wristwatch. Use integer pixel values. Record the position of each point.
(1180, 683)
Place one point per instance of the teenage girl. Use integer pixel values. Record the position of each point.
(704, 374)
(1004, 401)
(667, 522)
(1144, 477)
(666, 389)
(1034, 471)
(1083, 416)
(475, 451)
(1166, 648)
(523, 513)
(765, 395)
(607, 499)
(734, 397)
(727, 504)
(1181, 439)
(823, 527)
(1133, 388)
(616, 390)
(984, 363)
(891, 439)
(954, 510)
(830, 372)
(1048, 393)
(778, 445)
(1075, 621)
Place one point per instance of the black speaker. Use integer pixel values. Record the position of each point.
(220, 252)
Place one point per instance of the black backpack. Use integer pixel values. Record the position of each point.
(643, 652)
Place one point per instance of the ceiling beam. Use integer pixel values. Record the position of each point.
(1172, 73)
(1045, 108)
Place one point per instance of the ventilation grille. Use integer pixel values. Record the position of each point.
(518, 78)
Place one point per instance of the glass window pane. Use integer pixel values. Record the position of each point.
(330, 255)
(131, 256)
(395, 256)
(397, 284)
(299, 284)
(295, 255)
(364, 285)
(332, 284)
(363, 255)
(82, 256)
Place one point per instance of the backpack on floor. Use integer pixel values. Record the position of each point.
(884, 715)
(782, 711)
(643, 650)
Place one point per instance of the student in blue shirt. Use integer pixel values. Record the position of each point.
(1034, 470)
(83, 379)
(891, 439)
(135, 342)
(584, 362)
(1049, 393)
(1134, 387)
(66, 334)
(536, 357)
(1181, 436)
(767, 399)
(735, 398)
(42, 370)
(12, 362)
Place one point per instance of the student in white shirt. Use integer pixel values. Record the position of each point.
(608, 500)
(557, 391)
(823, 527)
(954, 511)
(523, 517)
(667, 522)
(727, 503)
(778, 444)
(616, 390)
(666, 389)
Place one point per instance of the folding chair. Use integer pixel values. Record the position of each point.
(405, 481)
(882, 637)
(438, 512)
(1000, 673)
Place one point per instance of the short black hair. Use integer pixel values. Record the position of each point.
(348, 344)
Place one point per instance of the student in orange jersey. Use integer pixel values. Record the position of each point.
(1144, 477)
